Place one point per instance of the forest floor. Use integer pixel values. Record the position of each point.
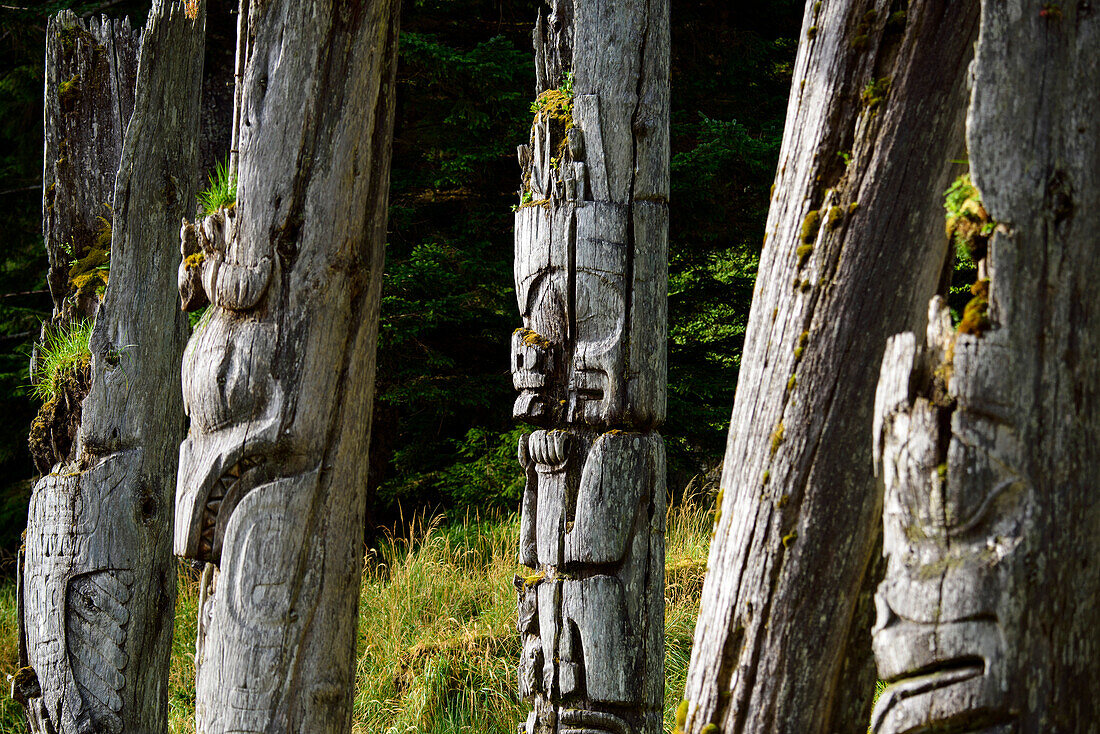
(438, 647)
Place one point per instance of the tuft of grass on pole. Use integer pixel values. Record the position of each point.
(63, 350)
(222, 191)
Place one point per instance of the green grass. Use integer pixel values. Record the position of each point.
(221, 192)
(61, 352)
(11, 714)
(437, 647)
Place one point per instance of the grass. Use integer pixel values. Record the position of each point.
(11, 714)
(221, 192)
(60, 353)
(437, 645)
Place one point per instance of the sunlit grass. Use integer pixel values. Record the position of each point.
(437, 642)
(220, 192)
(61, 352)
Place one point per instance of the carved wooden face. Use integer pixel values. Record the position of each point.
(568, 359)
(954, 529)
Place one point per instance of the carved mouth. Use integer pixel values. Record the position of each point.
(226, 490)
(924, 680)
(579, 721)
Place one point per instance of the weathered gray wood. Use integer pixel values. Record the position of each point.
(89, 96)
(854, 248)
(279, 375)
(987, 619)
(99, 582)
(590, 366)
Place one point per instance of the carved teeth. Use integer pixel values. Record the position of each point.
(213, 505)
(234, 471)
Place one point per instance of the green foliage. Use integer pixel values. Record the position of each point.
(221, 191)
(556, 101)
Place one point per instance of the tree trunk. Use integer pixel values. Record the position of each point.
(590, 365)
(279, 376)
(854, 247)
(987, 618)
(100, 577)
(89, 97)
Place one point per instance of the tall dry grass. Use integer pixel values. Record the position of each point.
(437, 645)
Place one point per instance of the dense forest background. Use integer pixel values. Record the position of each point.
(443, 438)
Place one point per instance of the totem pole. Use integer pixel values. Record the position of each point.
(99, 581)
(590, 367)
(985, 435)
(278, 378)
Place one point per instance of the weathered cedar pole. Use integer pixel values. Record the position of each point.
(88, 99)
(590, 365)
(854, 247)
(99, 581)
(988, 617)
(279, 375)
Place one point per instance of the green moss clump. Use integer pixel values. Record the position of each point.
(89, 274)
(777, 437)
(782, 501)
(975, 319)
(789, 538)
(710, 729)
(897, 20)
(533, 339)
(810, 226)
(811, 32)
(194, 261)
(802, 339)
(767, 476)
(875, 93)
(836, 215)
(68, 90)
(791, 383)
(853, 207)
(803, 253)
(967, 223)
(682, 714)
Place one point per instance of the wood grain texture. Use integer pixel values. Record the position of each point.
(88, 98)
(853, 250)
(987, 618)
(91, 68)
(590, 366)
(100, 578)
(278, 377)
